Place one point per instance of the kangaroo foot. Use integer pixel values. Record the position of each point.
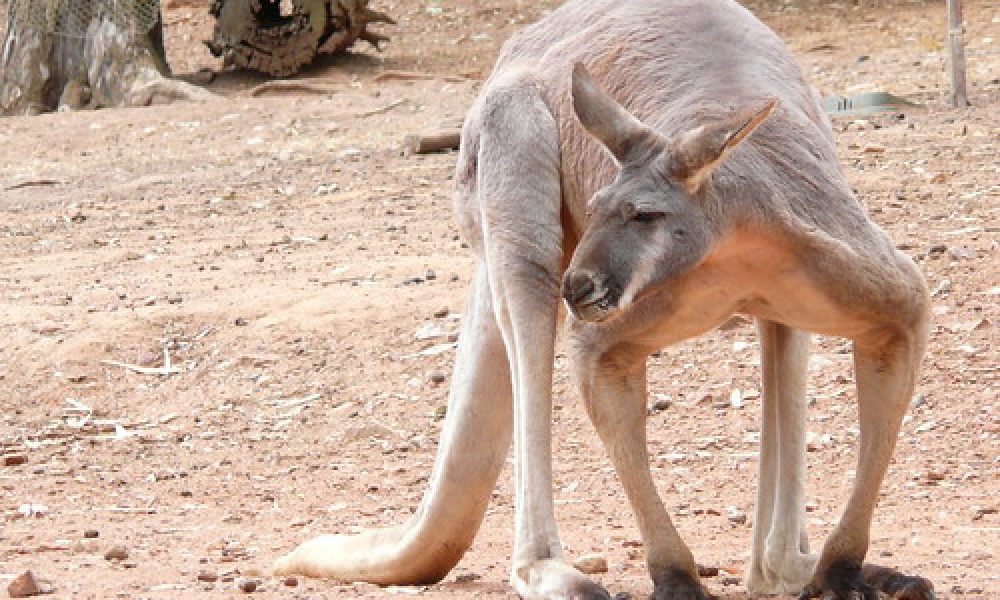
(846, 580)
(678, 585)
(552, 579)
(842, 580)
(896, 585)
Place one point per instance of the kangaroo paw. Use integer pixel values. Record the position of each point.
(552, 579)
(678, 585)
(842, 580)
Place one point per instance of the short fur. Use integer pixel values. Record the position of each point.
(762, 222)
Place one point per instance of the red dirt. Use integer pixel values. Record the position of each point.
(271, 245)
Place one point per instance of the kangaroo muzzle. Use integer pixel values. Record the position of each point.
(589, 296)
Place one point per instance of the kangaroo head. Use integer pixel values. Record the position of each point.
(648, 225)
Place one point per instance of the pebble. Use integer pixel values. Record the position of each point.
(13, 460)
(704, 571)
(735, 515)
(436, 377)
(290, 582)
(24, 586)
(247, 586)
(661, 404)
(208, 577)
(116, 553)
(91, 534)
(591, 564)
(441, 312)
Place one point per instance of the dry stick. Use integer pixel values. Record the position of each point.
(290, 86)
(381, 110)
(415, 76)
(166, 369)
(424, 143)
(956, 51)
(34, 183)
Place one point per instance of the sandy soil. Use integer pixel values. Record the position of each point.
(295, 266)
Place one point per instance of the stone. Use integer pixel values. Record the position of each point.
(13, 460)
(591, 564)
(247, 586)
(24, 586)
(704, 571)
(116, 553)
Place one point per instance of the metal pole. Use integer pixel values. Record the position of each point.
(956, 53)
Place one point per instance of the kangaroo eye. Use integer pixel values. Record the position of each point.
(648, 216)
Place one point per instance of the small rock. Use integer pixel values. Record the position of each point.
(937, 250)
(12, 460)
(430, 275)
(662, 403)
(116, 553)
(441, 312)
(436, 377)
(591, 564)
(981, 512)
(468, 577)
(962, 252)
(440, 412)
(874, 149)
(736, 515)
(91, 534)
(24, 586)
(704, 571)
(247, 586)
(208, 577)
(290, 582)
(241, 322)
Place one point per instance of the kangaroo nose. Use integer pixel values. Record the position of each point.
(576, 286)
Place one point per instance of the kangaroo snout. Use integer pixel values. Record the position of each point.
(577, 285)
(589, 296)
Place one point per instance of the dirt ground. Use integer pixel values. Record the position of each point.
(304, 279)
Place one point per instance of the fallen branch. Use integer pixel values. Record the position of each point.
(415, 76)
(290, 86)
(166, 369)
(425, 143)
(34, 183)
(381, 110)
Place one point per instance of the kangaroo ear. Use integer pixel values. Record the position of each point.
(698, 152)
(604, 118)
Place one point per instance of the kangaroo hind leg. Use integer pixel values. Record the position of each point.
(519, 203)
(780, 562)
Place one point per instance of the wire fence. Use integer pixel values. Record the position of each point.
(71, 18)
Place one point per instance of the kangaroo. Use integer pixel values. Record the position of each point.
(657, 165)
